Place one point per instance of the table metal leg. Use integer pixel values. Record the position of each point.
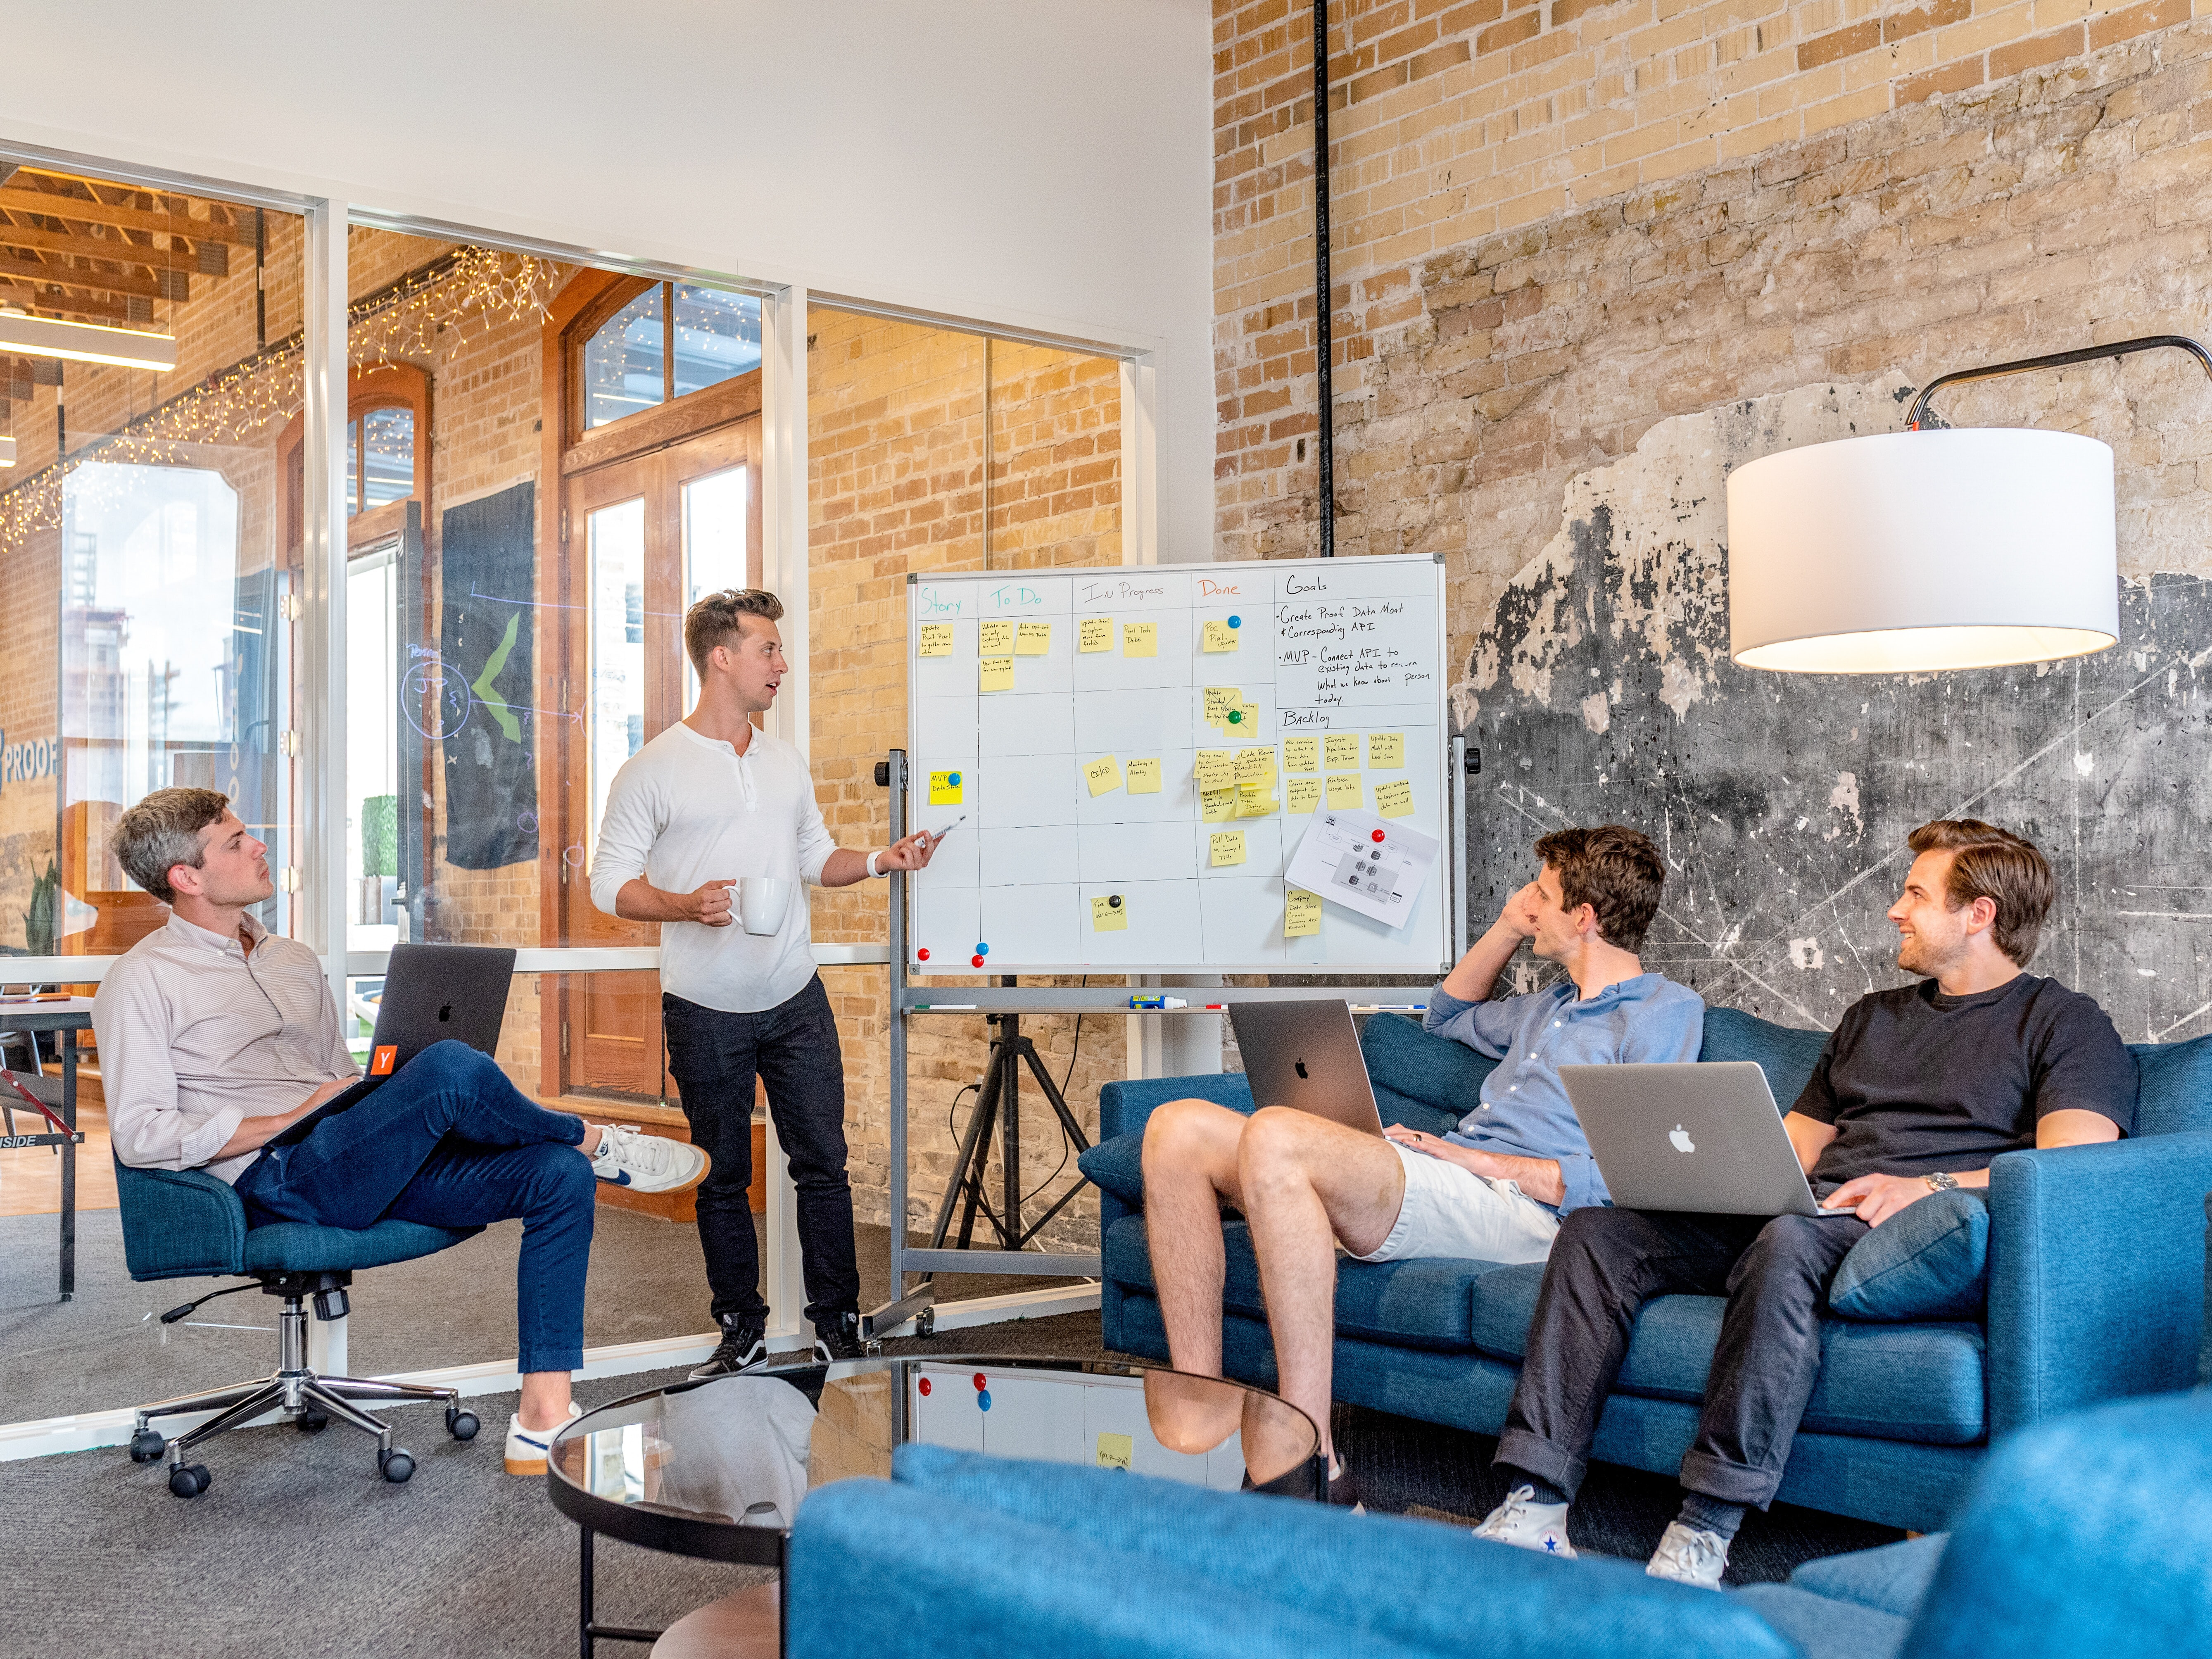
(69, 1166)
(589, 1631)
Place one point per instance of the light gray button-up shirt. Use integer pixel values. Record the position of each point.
(196, 1036)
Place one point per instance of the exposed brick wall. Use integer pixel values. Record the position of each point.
(1556, 222)
(896, 445)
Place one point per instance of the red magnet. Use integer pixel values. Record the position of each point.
(1378, 835)
(924, 1387)
(974, 962)
(922, 955)
(981, 1382)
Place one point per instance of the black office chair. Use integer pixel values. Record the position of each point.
(186, 1224)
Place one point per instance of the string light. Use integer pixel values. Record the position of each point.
(468, 295)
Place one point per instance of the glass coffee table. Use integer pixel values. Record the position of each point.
(717, 1469)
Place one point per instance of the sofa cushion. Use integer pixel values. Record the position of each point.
(1823, 1629)
(1916, 1382)
(1117, 1166)
(1891, 1579)
(1786, 1054)
(1931, 1260)
(2173, 1091)
(301, 1247)
(1431, 1071)
(1420, 1304)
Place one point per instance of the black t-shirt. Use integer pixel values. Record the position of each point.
(1916, 1081)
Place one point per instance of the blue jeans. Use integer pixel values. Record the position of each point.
(793, 1048)
(449, 1142)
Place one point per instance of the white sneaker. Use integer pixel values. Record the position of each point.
(526, 1448)
(1689, 1555)
(647, 1164)
(1529, 1525)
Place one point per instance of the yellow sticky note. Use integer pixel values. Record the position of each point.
(1217, 805)
(1394, 800)
(1302, 794)
(1302, 754)
(1254, 801)
(1386, 748)
(1109, 913)
(1227, 847)
(1141, 639)
(1116, 1451)
(936, 640)
(1301, 913)
(1341, 749)
(1343, 791)
(1215, 770)
(1032, 639)
(1095, 634)
(1255, 766)
(945, 788)
(1143, 776)
(1250, 722)
(1219, 700)
(1220, 636)
(998, 673)
(1102, 774)
(995, 638)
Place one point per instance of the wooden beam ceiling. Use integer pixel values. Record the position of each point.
(85, 307)
(158, 285)
(85, 245)
(16, 198)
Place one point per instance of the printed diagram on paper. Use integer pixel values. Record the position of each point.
(1138, 752)
(1365, 863)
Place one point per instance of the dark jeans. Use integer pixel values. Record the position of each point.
(1605, 1264)
(449, 1142)
(713, 1056)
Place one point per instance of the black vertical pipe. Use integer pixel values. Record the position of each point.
(1325, 455)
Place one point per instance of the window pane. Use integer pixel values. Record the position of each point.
(713, 545)
(617, 638)
(387, 437)
(623, 361)
(353, 468)
(372, 754)
(718, 336)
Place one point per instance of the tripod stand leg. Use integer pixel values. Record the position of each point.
(968, 1169)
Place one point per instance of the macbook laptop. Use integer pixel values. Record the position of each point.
(1307, 1055)
(1704, 1137)
(431, 992)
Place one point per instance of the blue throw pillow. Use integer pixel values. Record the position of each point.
(2173, 1091)
(1929, 1260)
(1117, 1166)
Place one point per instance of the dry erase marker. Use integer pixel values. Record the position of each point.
(936, 835)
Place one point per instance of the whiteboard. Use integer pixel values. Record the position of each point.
(1345, 649)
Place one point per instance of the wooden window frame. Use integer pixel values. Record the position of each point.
(371, 387)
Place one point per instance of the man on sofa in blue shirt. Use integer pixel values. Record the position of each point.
(1493, 1190)
(1917, 1090)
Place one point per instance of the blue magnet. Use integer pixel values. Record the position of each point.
(982, 949)
(1236, 621)
(984, 1400)
(954, 780)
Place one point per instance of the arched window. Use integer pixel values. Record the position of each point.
(667, 340)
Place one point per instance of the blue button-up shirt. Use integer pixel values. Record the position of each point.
(1525, 1111)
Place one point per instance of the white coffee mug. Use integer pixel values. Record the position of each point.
(761, 901)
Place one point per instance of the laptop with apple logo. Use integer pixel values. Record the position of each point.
(432, 993)
(1701, 1136)
(1304, 1053)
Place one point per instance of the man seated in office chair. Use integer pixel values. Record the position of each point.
(1918, 1088)
(1494, 1189)
(214, 1035)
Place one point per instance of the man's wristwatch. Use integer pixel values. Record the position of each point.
(1940, 1182)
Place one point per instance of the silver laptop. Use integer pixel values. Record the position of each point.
(1696, 1136)
(1306, 1055)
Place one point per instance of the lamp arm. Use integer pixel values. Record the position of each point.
(2055, 360)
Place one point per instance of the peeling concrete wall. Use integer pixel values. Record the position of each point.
(1600, 691)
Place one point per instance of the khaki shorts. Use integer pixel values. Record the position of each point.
(1453, 1212)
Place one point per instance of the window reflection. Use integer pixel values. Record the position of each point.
(624, 369)
(387, 463)
(617, 648)
(715, 523)
(718, 336)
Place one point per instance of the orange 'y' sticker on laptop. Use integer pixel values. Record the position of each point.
(380, 1063)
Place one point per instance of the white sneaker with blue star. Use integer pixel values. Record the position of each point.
(1528, 1525)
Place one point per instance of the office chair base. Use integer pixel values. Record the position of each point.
(311, 1400)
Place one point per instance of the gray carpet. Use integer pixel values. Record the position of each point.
(454, 1307)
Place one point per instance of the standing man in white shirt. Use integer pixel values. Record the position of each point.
(710, 801)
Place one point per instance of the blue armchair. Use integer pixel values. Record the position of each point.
(186, 1224)
(2095, 1258)
(2090, 1536)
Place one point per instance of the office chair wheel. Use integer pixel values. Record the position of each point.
(147, 1446)
(925, 1322)
(462, 1425)
(190, 1480)
(312, 1422)
(395, 1465)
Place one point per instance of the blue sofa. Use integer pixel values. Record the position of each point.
(2095, 1257)
(2091, 1535)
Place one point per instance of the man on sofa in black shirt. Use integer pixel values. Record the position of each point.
(1916, 1091)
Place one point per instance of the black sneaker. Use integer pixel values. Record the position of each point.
(743, 1346)
(839, 1338)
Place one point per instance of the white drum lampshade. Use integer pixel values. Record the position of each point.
(1911, 552)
